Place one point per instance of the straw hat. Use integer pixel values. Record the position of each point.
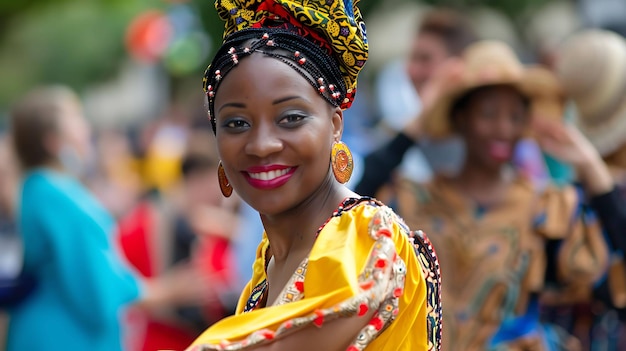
(591, 66)
(491, 62)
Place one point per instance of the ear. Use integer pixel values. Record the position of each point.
(337, 123)
(52, 144)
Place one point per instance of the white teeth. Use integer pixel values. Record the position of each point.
(269, 175)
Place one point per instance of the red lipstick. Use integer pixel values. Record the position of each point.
(268, 176)
(500, 151)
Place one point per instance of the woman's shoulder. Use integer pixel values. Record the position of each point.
(416, 251)
(380, 219)
(371, 212)
(551, 197)
(47, 182)
(412, 186)
(38, 185)
(413, 195)
(56, 192)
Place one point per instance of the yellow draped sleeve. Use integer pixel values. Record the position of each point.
(353, 251)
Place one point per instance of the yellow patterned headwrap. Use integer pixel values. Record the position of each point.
(334, 25)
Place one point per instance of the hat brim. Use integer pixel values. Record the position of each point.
(536, 84)
(609, 136)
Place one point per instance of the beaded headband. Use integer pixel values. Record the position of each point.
(317, 67)
(329, 36)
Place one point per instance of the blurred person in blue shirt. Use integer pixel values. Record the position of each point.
(82, 284)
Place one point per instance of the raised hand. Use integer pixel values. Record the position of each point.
(566, 143)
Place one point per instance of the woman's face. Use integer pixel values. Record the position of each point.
(74, 132)
(494, 120)
(274, 135)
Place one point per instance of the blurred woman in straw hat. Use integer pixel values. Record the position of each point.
(490, 224)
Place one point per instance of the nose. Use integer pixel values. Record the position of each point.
(263, 141)
(505, 126)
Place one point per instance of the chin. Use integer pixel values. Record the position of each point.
(268, 204)
(495, 164)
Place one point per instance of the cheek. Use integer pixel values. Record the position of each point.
(228, 150)
(523, 127)
(482, 128)
(315, 150)
(77, 132)
(419, 68)
(475, 128)
(314, 154)
(224, 143)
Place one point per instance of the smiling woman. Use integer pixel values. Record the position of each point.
(334, 270)
(274, 132)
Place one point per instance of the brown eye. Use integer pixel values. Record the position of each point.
(235, 124)
(292, 119)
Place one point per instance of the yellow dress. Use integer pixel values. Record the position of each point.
(364, 257)
(494, 262)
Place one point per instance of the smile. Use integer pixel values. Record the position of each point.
(500, 150)
(268, 177)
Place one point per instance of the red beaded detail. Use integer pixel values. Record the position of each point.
(377, 323)
(380, 263)
(363, 308)
(267, 334)
(299, 286)
(385, 232)
(319, 320)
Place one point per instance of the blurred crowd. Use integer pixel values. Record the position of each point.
(512, 161)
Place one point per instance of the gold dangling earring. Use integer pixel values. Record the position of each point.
(225, 186)
(341, 162)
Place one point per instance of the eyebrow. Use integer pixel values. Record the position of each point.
(232, 104)
(275, 102)
(286, 98)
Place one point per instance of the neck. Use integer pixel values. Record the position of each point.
(295, 230)
(483, 185)
(473, 173)
(54, 165)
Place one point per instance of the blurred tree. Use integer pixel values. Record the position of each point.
(69, 41)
